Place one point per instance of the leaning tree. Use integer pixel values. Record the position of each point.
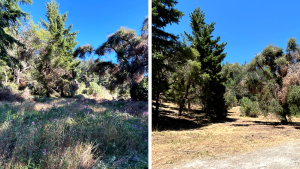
(132, 57)
(276, 84)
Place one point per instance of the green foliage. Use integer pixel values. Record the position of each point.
(163, 46)
(139, 91)
(210, 57)
(235, 84)
(267, 79)
(249, 108)
(65, 133)
(293, 100)
(10, 15)
(132, 55)
(230, 100)
(95, 90)
(54, 67)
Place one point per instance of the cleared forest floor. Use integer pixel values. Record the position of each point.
(180, 140)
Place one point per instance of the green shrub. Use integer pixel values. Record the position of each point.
(95, 90)
(230, 100)
(293, 100)
(249, 108)
(139, 91)
(13, 87)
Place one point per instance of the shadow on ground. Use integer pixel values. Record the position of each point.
(168, 120)
(277, 125)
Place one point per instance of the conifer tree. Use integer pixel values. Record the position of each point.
(187, 78)
(210, 56)
(10, 17)
(10, 14)
(54, 67)
(132, 56)
(163, 46)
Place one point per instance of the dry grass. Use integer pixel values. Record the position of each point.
(239, 134)
(67, 133)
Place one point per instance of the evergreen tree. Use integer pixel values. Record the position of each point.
(186, 79)
(10, 17)
(10, 14)
(210, 56)
(163, 46)
(132, 55)
(55, 65)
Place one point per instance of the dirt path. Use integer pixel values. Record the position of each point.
(281, 157)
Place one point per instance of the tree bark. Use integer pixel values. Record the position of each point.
(184, 98)
(62, 92)
(5, 76)
(156, 105)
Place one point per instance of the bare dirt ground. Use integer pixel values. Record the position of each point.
(192, 141)
(286, 156)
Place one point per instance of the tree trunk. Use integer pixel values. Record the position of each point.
(284, 119)
(62, 92)
(284, 114)
(48, 92)
(184, 98)
(18, 78)
(5, 77)
(156, 105)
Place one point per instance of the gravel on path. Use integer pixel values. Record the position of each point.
(281, 157)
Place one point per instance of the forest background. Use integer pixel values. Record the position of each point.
(259, 56)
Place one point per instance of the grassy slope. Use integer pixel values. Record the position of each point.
(66, 133)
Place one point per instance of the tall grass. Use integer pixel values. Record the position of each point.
(66, 133)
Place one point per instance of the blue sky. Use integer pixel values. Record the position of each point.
(95, 19)
(247, 26)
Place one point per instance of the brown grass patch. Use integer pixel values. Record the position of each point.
(244, 134)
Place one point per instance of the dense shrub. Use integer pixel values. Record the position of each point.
(6, 94)
(95, 90)
(249, 108)
(230, 100)
(293, 100)
(139, 91)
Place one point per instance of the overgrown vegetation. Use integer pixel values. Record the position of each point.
(60, 107)
(42, 58)
(189, 71)
(271, 79)
(66, 133)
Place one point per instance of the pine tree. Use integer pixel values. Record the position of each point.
(10, 14)
(163, 46)
(10, 17)
(132, 56)
(54, 67)
(187, 78)
(210, 56)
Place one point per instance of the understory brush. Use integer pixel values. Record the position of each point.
(65, 133)
(249, 108)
